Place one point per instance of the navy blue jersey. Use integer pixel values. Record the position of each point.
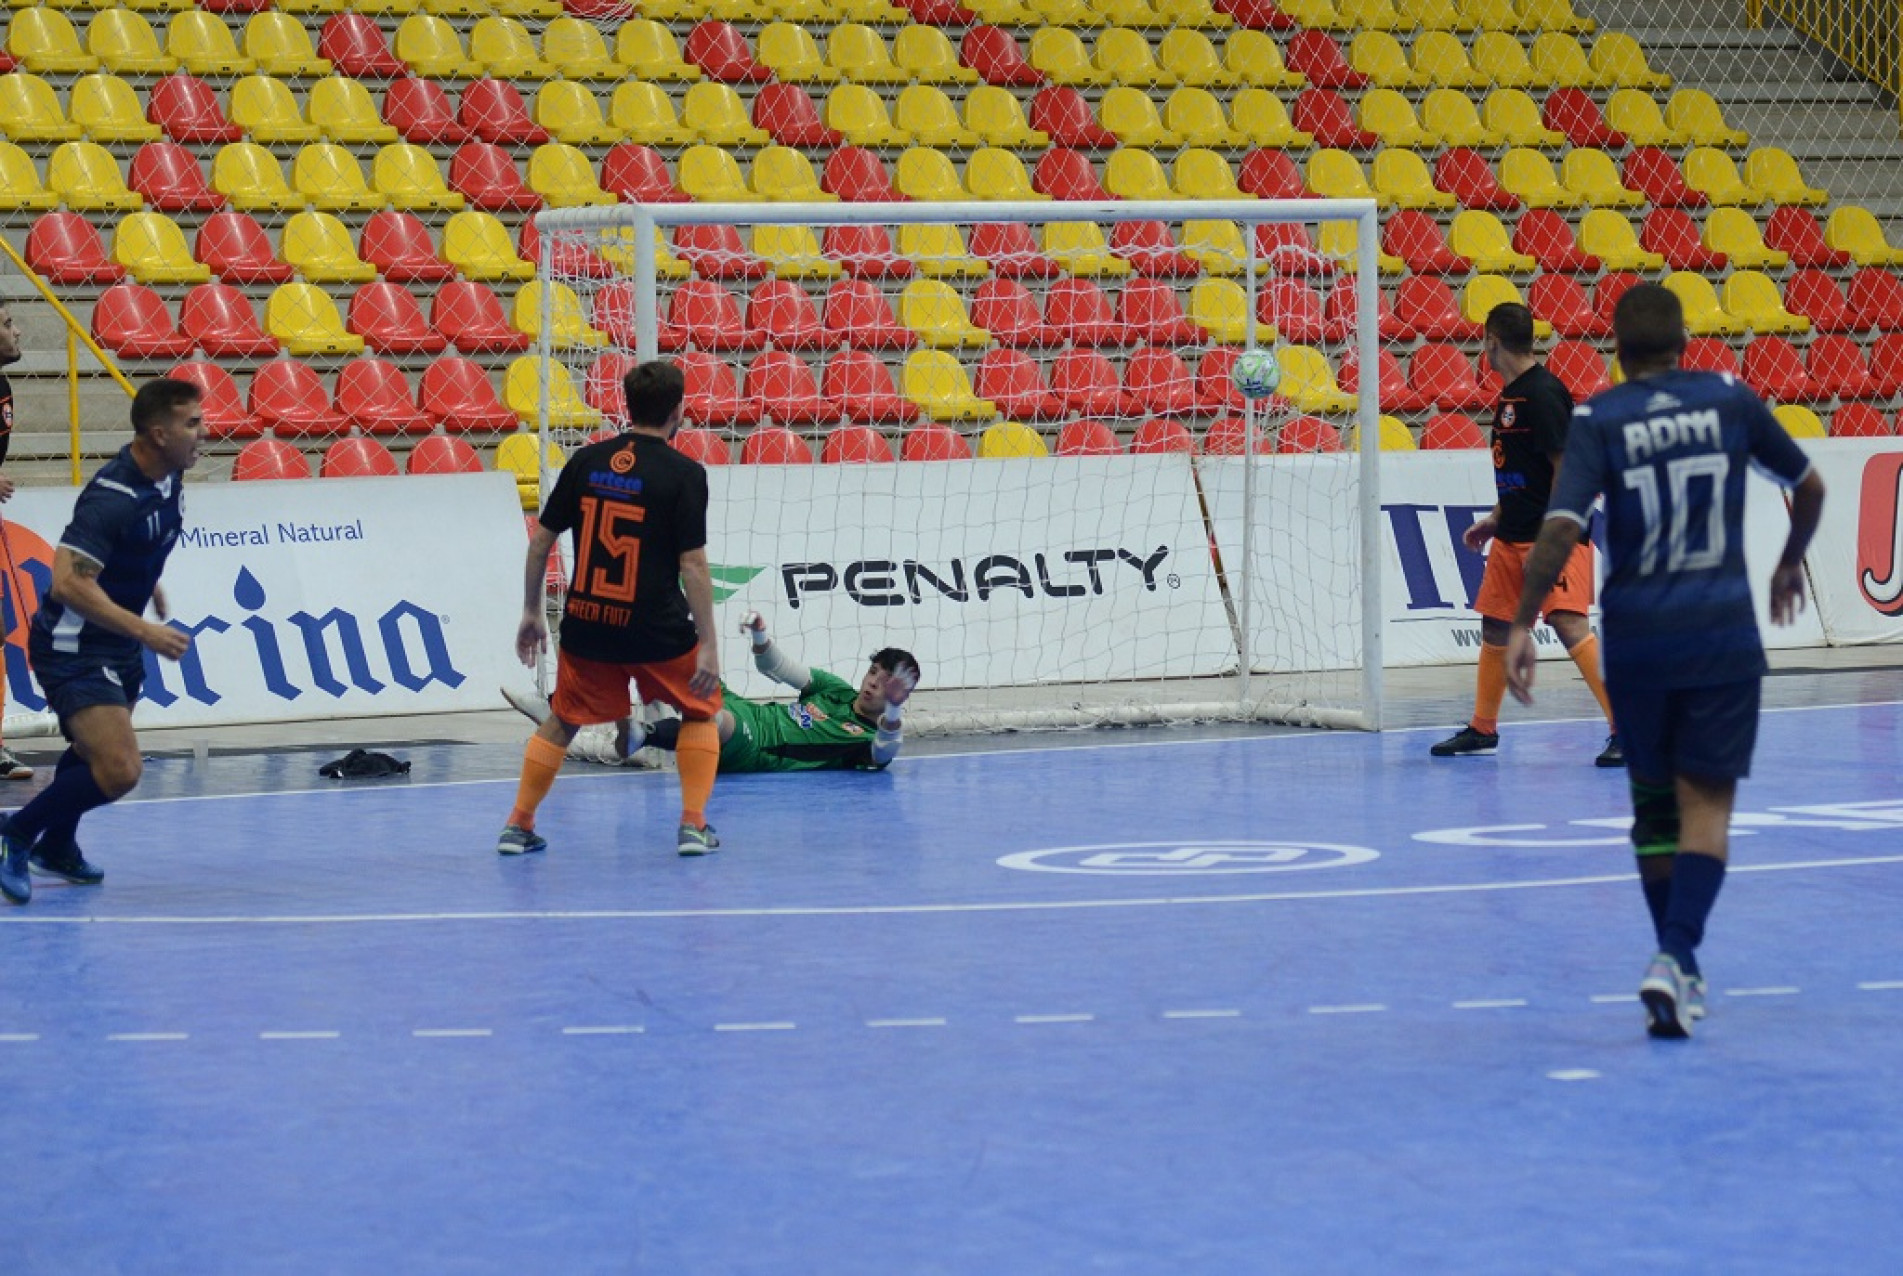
(1670, 454)
(127, 524)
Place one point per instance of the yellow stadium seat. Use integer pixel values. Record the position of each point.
(1855, 230)
(1497, 15)
(784, 175)
(645, 113)
(342, 108)
(1393, 436)
(736, 10)
(1591, 174)
(1010, 439)
(1081, 249)
(1401, 180)
(1610, 237)
(152, 249)
(1216, 244)
(1308, 381)
(1772, 172)
(43, 41)
(1478, 236)
(1694, 114)
(1449, 117)
(264, 108)
(1435, 15)
(562, 175)
(280, 45)
(1379, 56)
(1501, 61)
(858, 53)
(1484, 292)
(1753, 296)
(329, 177)
(407, 177)
(318, 246)
(107, 109)
(572, 114)
(993, 173)
(478, 245)
(1389, 116)
(1635, 113)
(1735, 233)
(1711, 171)
(1558, 57)
(125, 44)
(1184, 15)
(1442, 59)
(1133, 174)
(1530, 175)
(793, 252)
(1060, 55)
(203, 45)
(618, 247)
(795, 59)
(1096, 13)
(937, 314)
(936, 381)
(305, 321)
(927, 174)
(1340, 242)
(20, 186)
(1373, 15)
(88, 179)
(1316, 13)
(1191, 58)
(1620, 61)
(569, 328)
(649, 50)
(1131, 115)
(1799, 421)
(1195, 115)
(504, 46)
(1254, 58)
(383, 8)
(1516, 118)
(249, 176)
(1200, 173)
(1222, 308)
(577, 52)
(993, 114)
(717, 116)
(1704, 316)
(927, 56)
(1262, 120)
(432, 49)
(29, 111)
(927, 115)
(1123, 56)
(859, 114)
(516, 454)
(1555, 15)
(1003, 13)
(1335, 174)
(522, 395)
(939, 252)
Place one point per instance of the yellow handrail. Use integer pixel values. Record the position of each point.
(76, 335)
(1866, 34)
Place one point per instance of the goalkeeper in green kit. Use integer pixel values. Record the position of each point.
(831, 726)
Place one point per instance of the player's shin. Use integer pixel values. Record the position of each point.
(697, 754)
(1655, 829)
(541, 763)
(1490, 689)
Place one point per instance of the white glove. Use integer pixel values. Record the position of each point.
(898, 685)
(753, 626)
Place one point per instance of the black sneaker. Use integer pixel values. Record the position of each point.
(16, 883)
(1467, 742)
(66, 861)
(1612, 754)
(11, 768)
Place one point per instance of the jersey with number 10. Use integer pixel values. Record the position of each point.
(635, 505)
(1670, 454)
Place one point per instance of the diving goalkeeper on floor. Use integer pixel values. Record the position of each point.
(831, 726)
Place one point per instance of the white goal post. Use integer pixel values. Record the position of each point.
(1111, 585)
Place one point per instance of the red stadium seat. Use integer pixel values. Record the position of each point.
(1656, 175)
(1875, 297)
(131, 320)
(1153, 311)
(775, 445)
(719, 49)
(709, 318)
(638, 175)
(225, 414)
(601, 388)
(715, 252)
(1307, 434)
(1163, 385)
(1858, 421)
(1062, 112)
(1580, 367)
(493, 111)
(1342, 309)
(1316, 55)
(1547, 237)
(471, 319)
(866, 252)
(1148, 247)
(1775, 370)
(420, 111)
(222, 322)
(1451, 430)
(266, 459)
(856, 445)
(859, 313)
(713, 393)
(1795, 231)
(1710, 354)
(388, 319)
(1573, 111)
(1162, 434)
(1886, 364)
(571, 259)
(1466, 175)
(398, 244)
(1087, 438)
(939, 13)
(1012, 380)
(1672, 234)
(1837, 368)
(1428, 307)
(1214, 383)
(1288, 250)
(1063, 173)
(1257, 15)
(483, 174)
(1440, 372)
(1087, 384)
(1606, 293)
(784, 386)
(1006, 309)
(1417, 239)
(66, 249)
(994, 54)
(1271, 174)
(290, 399)
(1296, 311)
(1560, 301)
(788, 114)
(857, 176)
(354, 45)
(781, 311)
(238, 251)
(188, 110)
(862, 384)
(1011, 251)
(1391, 387)
(932, 442)
(1227, 437)
(457, 394)
(1816, 296)
(442, 454)
(358, 458)
(1326, 114)
(375, 397)
(170, 179)
(702, 445)
(1079, 311)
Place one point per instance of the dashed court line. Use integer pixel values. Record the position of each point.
(1763, 992)
(453, 1032)
(1202, 1014)
(1503, 1003)
(906, 1023)
(1034, 1019)
(148, 1036)
(778, 1025)
(1360, 1008)
(299, 1036)
(605, 1030)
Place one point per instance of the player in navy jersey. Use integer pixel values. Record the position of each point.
(1669, 449)
(89, 638)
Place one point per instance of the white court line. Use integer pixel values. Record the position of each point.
(453, 1032)
(1762, 992)
(1882, 985)
(147, 1036)
(1366, 1008)
(19, 1036)
(299, 1036)
(1202, 1014)
(1614, 998)
(622, 1030)
(1504, 1003)
(1055, 1018)
(781, 1025)
(905, 1023)
(1574, 1074)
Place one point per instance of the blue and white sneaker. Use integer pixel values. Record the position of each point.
(67, 862)
(516, 840)
(16, 879)
(1695, 996)
(1667, 999)
(696, 841)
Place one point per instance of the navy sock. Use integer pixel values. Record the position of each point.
(1655, 879)
(1695, 882)
(61, 831)
(72, 793)
(665, 734)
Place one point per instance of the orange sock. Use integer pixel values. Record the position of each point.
(1491, 688)
(697, 757)
(1586, 656)
(541, 761)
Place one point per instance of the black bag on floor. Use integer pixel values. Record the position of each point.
(362, 764)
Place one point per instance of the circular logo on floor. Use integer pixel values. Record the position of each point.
(1187, 859)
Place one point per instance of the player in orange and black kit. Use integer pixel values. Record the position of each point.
(638, 513)
(11, 768)
(1529, 437)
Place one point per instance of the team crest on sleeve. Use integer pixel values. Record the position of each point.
(1508, 415)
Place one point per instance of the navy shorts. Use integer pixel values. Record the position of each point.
(1703, 732)
(74, 681)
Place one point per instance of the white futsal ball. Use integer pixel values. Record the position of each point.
(1257, 374)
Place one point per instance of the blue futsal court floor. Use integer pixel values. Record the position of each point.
(1301, 1002)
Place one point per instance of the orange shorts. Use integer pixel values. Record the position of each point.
(1506, 577)
(591, 691)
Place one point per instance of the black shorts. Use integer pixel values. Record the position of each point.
(1703, 732)
(74, 681)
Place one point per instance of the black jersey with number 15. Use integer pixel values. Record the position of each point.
(1529, 429)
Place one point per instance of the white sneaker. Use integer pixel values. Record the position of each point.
(528, 704)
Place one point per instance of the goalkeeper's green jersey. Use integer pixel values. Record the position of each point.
(817, 732)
